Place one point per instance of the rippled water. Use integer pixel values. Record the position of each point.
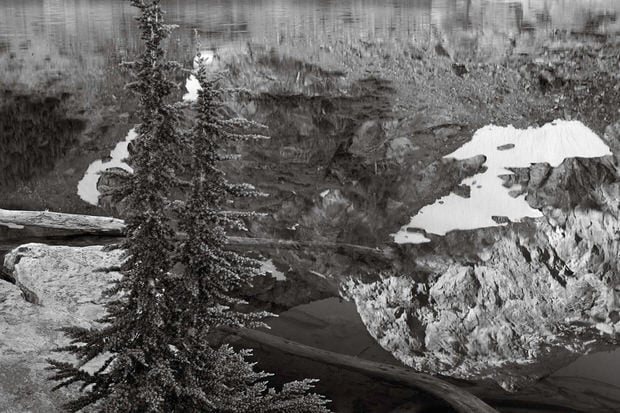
(76, 27)
(83, 41)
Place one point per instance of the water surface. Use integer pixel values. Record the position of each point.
(40, 39)
(94, 27)
(79, 44)
(83, 41)
(489, 203)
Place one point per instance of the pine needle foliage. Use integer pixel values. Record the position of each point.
(157, 338)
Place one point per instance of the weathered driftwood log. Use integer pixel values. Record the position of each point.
(69, 222)
(459, 399)
(88, 224)
(56, 220)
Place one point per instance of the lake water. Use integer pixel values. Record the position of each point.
(79, 29)
(503, 148)
(82, 42)
(77, 36)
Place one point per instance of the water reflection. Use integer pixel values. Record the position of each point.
(84, 40)
(89, 36)
(34, 133)
(489, 203)
(84, 25)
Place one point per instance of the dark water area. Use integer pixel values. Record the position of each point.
(34, 133)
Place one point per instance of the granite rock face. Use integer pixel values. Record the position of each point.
(55, 287)
(526, 300)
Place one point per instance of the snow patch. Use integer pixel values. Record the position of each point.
(192, 85)
(87, 187)
(503, 147)
(405, 237)
(268, 268)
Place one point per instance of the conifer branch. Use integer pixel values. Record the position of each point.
(175, 291)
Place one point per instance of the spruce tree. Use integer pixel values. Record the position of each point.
(158, 338)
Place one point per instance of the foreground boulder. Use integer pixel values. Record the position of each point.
(61, 286)
(56, 287)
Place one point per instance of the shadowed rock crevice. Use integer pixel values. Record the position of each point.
(6, 275)
(29, 295)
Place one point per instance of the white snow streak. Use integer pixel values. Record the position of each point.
(87, 187)
(551, 143)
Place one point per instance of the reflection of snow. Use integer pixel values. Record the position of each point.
(405, 237)
(268, 267)
(551, 143)
(192, 85)
(87, 187)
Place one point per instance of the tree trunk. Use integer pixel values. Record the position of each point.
(459, 399)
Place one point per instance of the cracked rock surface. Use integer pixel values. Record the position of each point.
(63, 288)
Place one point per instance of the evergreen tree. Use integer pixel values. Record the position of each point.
(157, 338)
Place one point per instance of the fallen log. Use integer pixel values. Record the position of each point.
(544, 397)
(72, 222)
(269, 243)
(93, 225)
(459, 399)
(56, 220)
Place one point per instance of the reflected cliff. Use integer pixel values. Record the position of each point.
(35, 132)
(51, 47)
(79, 28)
